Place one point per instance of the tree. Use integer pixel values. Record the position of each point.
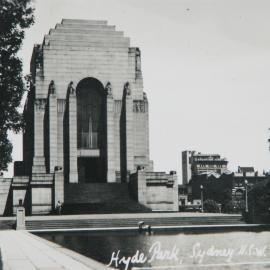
(259, 197)
(15, 17)
(259, 203)
(5, 150)
(210, 206)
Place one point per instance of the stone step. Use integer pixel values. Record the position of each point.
(87, 34)
(74, 28)
(84, 45)
(96, 192)
(133, 222)
(41, 176)
(86, 40)
(111, 223)
(7, 224)
(39, 169)
(83, 22)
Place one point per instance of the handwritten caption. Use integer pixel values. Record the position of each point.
(198, 254)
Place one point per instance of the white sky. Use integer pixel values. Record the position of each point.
(205, 65)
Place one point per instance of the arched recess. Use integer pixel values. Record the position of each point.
(91, 130)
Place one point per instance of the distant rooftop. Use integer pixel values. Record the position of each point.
(245, 169)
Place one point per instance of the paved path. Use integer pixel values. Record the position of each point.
(21, 250)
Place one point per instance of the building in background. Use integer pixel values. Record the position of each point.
(195, 163)
(245, 169)
(248, 174)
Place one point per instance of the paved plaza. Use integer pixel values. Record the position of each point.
(21, 250)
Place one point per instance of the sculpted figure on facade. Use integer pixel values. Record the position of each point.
(138, 59)
(71, 89)
(144, 96)
(108, 89)
(127, 89)
(52, 87)
(40, 104)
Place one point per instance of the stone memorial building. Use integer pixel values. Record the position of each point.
(86, 137)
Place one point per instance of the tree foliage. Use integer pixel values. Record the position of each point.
(15, 17)
(6, 148)
(235, 206)
(259, 198)
(210, 206)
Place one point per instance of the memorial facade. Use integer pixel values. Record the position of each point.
(86, 118)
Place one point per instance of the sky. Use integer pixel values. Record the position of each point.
(205, 66)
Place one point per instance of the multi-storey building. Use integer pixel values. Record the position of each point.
(195, 163)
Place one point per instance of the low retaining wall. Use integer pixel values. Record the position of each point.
(156, 190)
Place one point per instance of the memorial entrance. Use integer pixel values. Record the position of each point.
(91, 131)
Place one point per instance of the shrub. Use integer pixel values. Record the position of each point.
(211, 206)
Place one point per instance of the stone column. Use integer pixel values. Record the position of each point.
(58, 185)
(52, 127)
(129, 129)
(39, 160)
(175, 198)
(72, 125)
(141, 182)
(111, 178)
(145, 100)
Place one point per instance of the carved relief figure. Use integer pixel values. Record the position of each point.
(138, 59)
(40, 104)
(71, 89)
(52, 87)
(127, 89)
(139, 106)
(108, 89)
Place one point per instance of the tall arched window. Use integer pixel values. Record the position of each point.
(90, 110)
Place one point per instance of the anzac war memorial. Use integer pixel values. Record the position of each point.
(86, 152)
(86, 140)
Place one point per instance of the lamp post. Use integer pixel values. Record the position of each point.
(201, 187)
(246, 186)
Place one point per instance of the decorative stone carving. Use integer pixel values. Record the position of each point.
(138, 59)
(40, 104)
(108, 89)
(71, 89)
(52, 88)
(140, 168)
(139, 106)
(127, 89)
(144, 96)
(58, 168)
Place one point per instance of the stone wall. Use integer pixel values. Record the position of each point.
(156, 190)
(20, 191)
(73, 51)
(5, 195)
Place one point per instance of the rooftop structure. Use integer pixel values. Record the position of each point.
(195, 163)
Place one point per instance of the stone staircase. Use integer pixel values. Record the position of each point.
(95, 192)
(7, 223)
(100, 198)
(129, 222)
